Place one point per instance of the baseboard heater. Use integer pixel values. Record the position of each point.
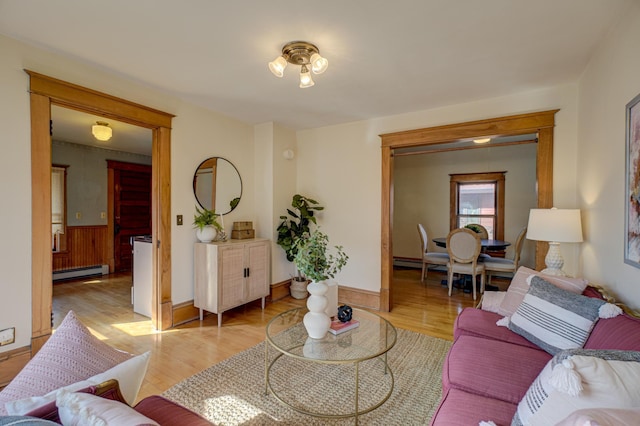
(87, 271)
(407, 262)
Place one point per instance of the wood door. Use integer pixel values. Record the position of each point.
(131, 209)
(231, 276)
(258, 270)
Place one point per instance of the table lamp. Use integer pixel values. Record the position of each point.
(555, 226)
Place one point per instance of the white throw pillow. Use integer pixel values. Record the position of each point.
(577, 379)
(129, 375)
(81, 409)
(602, 417)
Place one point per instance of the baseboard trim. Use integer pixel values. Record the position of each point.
(356, 297)
(185, 312)
(11, 362)
(279, 291)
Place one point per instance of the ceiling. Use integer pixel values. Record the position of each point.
(385, 58)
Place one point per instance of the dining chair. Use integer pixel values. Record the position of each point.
(463, 246)
(496, 264)
(483, 234)
(429, 258)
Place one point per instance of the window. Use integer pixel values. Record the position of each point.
(58, 207)
(478, 198)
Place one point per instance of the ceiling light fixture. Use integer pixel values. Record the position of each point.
(481, 140)
(101, 131)
(300, 53)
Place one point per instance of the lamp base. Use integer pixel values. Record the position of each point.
(554, 261)
(556, 272)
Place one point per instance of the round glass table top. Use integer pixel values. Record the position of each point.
(373, 337)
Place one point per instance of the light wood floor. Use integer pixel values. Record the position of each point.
(104, 305)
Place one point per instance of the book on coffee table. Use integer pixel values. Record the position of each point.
(338, 327)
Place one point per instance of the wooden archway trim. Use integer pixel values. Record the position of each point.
(44, 92)
(541, 123)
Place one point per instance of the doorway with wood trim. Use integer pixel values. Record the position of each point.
(44, 92)
(541, 123)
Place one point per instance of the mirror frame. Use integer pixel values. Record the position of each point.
(195, 175)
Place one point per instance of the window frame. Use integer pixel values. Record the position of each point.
(61, 247)
(497, 178)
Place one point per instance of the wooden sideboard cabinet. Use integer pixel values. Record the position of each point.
(230, 274)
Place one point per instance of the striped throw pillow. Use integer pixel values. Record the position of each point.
(553, 318)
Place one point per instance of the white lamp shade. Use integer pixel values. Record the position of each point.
(318, 63)
(305, 77)
(101, 131)
(277, 66)
(555, 225)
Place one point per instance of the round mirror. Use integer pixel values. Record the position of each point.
(217, 185)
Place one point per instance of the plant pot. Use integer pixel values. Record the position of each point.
(298, 289)
(206, 234)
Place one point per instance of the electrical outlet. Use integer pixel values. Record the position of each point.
(179, 219)
(103, 215)
(78, 215)
(7, 336)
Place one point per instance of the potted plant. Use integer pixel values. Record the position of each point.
(317, 263)
(291, 229)
(314, 260)
(205, 222)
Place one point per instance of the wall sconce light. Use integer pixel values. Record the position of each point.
(300, 53)
(555, 226)
(101, 131)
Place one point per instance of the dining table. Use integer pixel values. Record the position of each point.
(487, 245)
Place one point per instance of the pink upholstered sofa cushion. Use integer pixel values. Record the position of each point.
(479, 323)
(478, 365)
(621, 332)
(462, 408)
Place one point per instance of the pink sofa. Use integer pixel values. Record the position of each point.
(489, 368)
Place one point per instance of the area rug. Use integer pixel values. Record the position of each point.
(233, 391)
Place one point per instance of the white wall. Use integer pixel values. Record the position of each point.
(421, 194)
(610, 81)
(284, 188)
(197, 134)
(340, 167)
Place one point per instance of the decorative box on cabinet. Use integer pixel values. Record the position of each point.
(230, 274)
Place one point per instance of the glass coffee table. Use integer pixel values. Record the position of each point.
(351, 368)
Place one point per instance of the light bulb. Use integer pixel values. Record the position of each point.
(482, 140)
(101, 131)
(305, 78)
(318, 63)
(277, 66)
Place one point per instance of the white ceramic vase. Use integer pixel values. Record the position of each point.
(316, 320)
(332, 299)
(206, 234)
